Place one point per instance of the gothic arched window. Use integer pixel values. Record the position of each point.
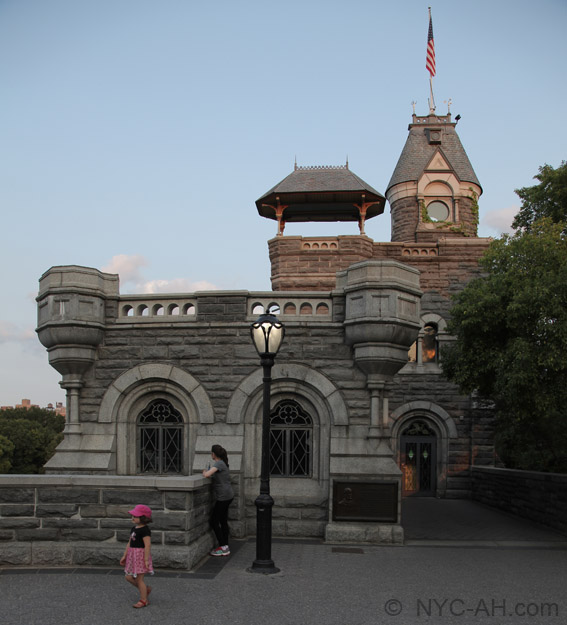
(160, 438)
(429, 346)
(291, 433)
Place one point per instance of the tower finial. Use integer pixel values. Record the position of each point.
(295, 164)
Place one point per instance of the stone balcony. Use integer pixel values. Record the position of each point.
(184, 308)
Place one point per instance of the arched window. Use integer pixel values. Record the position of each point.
(426, 349)
(429, 346)
(160, 438)
(291, 435)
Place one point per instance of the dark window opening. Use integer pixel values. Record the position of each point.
(160, 439)
(291, 434)
(430, 344)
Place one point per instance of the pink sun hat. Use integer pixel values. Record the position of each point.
(141, 510)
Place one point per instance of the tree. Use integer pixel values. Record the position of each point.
(6, 453)
(33, 435)
(511, 343)
(547, 199)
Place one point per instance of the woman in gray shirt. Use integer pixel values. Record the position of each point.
(224, 495)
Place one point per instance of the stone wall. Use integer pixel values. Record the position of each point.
(472, 443)
(311, 263)
(194, 351)
(540, 497)
(83, 520)
(405, 219)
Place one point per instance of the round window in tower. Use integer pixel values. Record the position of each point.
(438, 211)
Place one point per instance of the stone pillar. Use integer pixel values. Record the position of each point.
(71, 321)
(382, 320)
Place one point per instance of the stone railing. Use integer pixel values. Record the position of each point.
(286, 306)
(166, 308)
(419, 251)
(71, 520)
(158, 307)
(322, 244)
(540, 497)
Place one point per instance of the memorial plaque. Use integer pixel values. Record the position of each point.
(365, 501)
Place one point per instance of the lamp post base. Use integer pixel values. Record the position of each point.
(266, 567)
(263, 562)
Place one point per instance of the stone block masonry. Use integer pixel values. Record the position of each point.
(72, 520)
(309, 263)
(342, 351)
(539, 497)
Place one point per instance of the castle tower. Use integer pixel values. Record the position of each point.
(433, 191)
(317, 194)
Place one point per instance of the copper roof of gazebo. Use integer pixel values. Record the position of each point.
(321, 194)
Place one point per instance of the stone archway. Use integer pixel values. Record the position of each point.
(440, 426)
(318, 397)
(418, 459)
(134, 389)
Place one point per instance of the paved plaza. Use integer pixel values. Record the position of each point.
(471, 574)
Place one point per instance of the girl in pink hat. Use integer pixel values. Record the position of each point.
(137, 558)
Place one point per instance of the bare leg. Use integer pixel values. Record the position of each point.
(142, 587)
(131, 580)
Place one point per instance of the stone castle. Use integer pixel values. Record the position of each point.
(361, 414)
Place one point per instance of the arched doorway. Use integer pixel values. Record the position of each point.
(418, 455)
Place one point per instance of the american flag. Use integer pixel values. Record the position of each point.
(430, 58)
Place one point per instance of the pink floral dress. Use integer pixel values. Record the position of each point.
(135, 564)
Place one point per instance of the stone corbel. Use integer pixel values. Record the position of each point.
(71, 322)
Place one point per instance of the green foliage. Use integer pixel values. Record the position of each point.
(6, 454)
(547, 199)
(33, 434)
(511, 343)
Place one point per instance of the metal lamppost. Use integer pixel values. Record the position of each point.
(267, 335)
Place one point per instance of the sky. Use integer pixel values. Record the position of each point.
(136, 135)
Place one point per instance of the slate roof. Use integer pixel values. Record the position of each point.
(418, 152)
(321, 194)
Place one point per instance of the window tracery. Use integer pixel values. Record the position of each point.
(291, 435)
(160, 429)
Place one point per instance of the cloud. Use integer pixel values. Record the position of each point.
(177, 285)
(10, 332)
(500, 221)
(128, 267)
(25, 337)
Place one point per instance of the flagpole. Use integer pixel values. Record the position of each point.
(430, 64)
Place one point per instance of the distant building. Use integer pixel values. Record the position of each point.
(361, 414)
(26, 403)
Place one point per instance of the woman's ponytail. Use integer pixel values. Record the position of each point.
(220, 452)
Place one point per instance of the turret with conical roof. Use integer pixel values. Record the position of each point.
(433, 191)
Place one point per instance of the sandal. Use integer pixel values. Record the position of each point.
(141, 604)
